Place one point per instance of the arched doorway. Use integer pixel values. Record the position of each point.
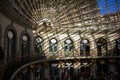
(102, 68)
(38, 46)
(102, 46)
(84, 47)
(68, 71)
(25, 44)
(38, 72)
(54, 71)
(53, 46)
(85, 70)
(68, 47)
(10, 43)
(25, 74)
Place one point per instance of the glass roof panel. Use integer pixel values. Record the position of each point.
(108, 6)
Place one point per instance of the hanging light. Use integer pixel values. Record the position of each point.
(25, 38)
(38, 39)
(10, 34)
(68, 41)
(85, 41)
(53, 40)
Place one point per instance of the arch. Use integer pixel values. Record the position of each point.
(39, 71)
(38, 45)
(25, 43)
(25, 73)
(101, 46)
(84, 47)
(68, 47)
(85, 69)
(10, 42)
(53, 47)
(53, 70)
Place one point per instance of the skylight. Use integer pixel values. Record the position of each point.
(108, 6)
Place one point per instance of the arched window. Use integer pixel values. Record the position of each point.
(25, 74)
(85, 68)
(53, 45)
(25, 44)
(68, 47)
(54, 71)
(117, 46)
(101, 46)
(38, 72)
(68, 70)
(10, 44)
(84, 47)
(38, 45)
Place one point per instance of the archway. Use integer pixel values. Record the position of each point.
(10, 43)
(102, 46)
(53, 46)
(25, 43)
(68, 47)
(84, 47)
(38, 45)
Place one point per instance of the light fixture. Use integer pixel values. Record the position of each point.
(85, 41)
(10, 34)
(39, 39)
(68, 41)
(34, 31)
(53, 41)
(82, 35)
(25, 38)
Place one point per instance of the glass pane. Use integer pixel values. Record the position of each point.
(104, 5)
(53, 45)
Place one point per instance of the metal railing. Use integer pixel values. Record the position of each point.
(33, 57)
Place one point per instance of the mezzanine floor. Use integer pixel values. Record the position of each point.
(65, 68)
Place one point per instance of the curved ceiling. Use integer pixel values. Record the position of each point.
(79, 14)
(60, 13)
(73, 18)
